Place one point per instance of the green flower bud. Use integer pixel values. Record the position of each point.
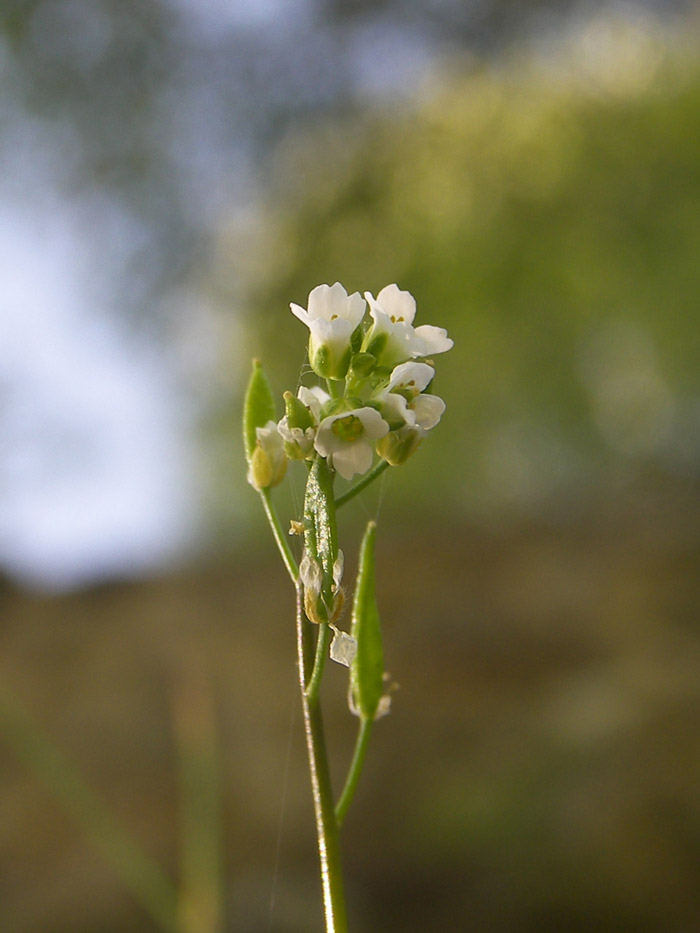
(258, 407)
(268, 463)
(397, 446)
(298, 415)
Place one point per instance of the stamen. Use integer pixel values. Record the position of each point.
(348, 428)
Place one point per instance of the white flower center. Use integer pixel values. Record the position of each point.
(349, 428)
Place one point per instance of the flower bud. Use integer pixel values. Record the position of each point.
(297, 428)
(397, 446)
(298, 415)
(268, 462)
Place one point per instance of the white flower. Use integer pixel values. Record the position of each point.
(402, 400)
(314, 399)
(299, 439)
(268, 463)
(427, 411)
(332, 317)
(346, 440)
(392, 337)
(409, 411)
(410, 378)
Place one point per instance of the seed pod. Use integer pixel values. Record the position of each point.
(258, 408)
(367, 669)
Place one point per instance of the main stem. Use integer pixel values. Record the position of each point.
(326, 825)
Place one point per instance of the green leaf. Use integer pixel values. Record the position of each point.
(367, 670)
(258, 407)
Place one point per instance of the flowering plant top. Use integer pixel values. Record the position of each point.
(376, 374)
(371, 400)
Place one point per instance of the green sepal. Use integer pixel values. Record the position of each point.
(361, 365)
(337, 406)
(258, 407)
(359, 380)
(374, 344)
(367, 670)
(357, 338)
(298, 415)
(328, 364)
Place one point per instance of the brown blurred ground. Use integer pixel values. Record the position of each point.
(539, 770)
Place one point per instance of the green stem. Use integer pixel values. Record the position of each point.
(326, 825)
(358, 760)
(144, 877)
(336, 387)
(322, 642)
(279, 535)
(358, 487)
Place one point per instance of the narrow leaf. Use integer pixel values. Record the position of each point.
(258, 407)
(367, 670)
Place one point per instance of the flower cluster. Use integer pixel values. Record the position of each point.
(376, 374)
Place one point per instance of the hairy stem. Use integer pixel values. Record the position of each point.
(279, 535)
(326, 825)
(314, 682)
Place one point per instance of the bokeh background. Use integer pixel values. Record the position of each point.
(173, 175)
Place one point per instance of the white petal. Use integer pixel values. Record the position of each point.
(336, 300)
(303, 438)
(310, 574)
(332, 303)
(356, 308)
(401, 343)
(285, 431)
(375, 426)
(269, 437)
(434, 339)
(383, 707)
(397, 304)
(301, 313)
(325, 441)
(343, 648)
(321, 300)
(428, 410)
(382, 321)
(352, 458)
(313, 398)
(371, 300)
(415, 374)
(395, 408)
(331, 332)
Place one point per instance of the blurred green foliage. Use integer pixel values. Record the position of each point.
(547, 212)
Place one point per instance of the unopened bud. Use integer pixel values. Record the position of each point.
(397, 446)
(298, 415)
(268, 462)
